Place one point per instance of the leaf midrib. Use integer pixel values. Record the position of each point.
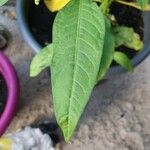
(76, 61)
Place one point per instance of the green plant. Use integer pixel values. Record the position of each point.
(85, 39)
(84, 42)
(2, 2)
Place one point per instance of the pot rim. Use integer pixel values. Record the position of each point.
(29, 38)
(23, 26)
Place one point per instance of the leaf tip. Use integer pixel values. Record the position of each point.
(67, 135)
(131, 69)
(33, 73)
(67, 125)
(33, 68)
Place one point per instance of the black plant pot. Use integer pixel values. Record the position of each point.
(23, 13)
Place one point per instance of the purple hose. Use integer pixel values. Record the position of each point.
(10, 76)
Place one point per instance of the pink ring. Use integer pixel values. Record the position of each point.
(9, 74)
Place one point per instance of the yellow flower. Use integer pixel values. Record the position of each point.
(5, 143)
(55, 5)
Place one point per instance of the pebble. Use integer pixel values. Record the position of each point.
(3, 37)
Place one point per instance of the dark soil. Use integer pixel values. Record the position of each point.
(42, 20)
(131, 17)
(3, 94)
(51, 129)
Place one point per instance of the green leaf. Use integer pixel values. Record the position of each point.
(123, 60)
(78, 37)
(2, 2)
(134, 5)
(41, 60)
(108, 50)
(127, 37)
(143, 3)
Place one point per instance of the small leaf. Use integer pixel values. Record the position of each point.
(78, 38)
(143, 3)
(41, 60)
(123, 60)
(2, 2)
(108, 50)
(127, 37)
(134, 5)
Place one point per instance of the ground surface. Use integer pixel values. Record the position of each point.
(117, 117)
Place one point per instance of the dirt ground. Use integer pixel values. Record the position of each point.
(117, 116)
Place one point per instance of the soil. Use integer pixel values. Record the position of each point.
(3, 94)
(127, 16)
(51, 129)
(131, 17)
(42, 30)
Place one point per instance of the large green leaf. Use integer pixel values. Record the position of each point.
(2, 2)
(108, 50)
(78, 37)
(41, 60)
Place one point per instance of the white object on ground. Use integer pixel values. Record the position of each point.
(30, 139)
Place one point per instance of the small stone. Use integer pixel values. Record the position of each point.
(58, 147)
(123, 134)
(4, 35)
(3, 41)
(10, 14)
(134, 141)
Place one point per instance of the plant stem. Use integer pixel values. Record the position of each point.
(105, 5)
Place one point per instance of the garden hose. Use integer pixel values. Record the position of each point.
(9, 74)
